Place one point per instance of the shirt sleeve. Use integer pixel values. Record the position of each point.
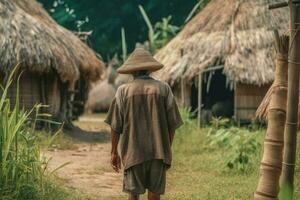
(173, 115)
(114, 117)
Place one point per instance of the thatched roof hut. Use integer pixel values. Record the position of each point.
(232, 36)
(28, 35)
(53, 59)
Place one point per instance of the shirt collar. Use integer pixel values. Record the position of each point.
(143, 77)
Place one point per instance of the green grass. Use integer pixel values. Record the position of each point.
(199, 168)
(199, 171)
(59, 141)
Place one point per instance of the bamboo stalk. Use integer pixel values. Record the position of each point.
(290, 135)
(199, 98)
(124, 45)
(271, 163)
(149, 25)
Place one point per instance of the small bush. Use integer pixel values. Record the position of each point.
(241, 145)
(245, 151)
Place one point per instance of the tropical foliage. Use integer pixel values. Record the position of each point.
(106, 18)
(242, 145)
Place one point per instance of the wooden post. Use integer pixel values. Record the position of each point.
(271, 162)
(44, 99)
(182, 86)
(199, 98)
(235, 104)
(70, 99)
(290, 135)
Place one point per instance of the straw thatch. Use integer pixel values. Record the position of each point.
(233, 33)
(100, 97)
(28, 35)
(103, 92)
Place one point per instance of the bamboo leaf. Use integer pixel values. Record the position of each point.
(149, 25)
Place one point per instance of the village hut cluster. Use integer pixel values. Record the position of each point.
(57, 67)
(223, 64)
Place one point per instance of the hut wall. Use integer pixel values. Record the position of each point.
(35, 89)
(185, 93)
(247, 99)
(29, 91)
(53, 96)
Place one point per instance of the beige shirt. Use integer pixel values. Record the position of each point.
(143, 112)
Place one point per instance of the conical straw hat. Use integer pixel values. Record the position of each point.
(140, 59)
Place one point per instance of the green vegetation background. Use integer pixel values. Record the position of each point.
(106, 18)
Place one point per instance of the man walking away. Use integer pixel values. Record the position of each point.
(143, 118)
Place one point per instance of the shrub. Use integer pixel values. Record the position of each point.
(244, 153)
(241, 145)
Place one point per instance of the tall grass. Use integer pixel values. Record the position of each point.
(22, 169)
(20, 165)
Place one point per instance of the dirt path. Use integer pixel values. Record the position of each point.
(89, 170)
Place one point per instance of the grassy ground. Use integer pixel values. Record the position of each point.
(199, 169)
(59, 141)
(199, 172)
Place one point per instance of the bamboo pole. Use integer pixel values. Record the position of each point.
(199, 98)
(290, 135)
(182, 91)
(271, 163)
(236, 117)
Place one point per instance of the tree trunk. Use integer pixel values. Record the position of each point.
(290, 135)
(271, 163)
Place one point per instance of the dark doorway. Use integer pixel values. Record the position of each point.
(194, 98)
(217, 96)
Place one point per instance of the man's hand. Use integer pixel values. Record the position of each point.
(171, 137)
(115, 158)
(115, 162)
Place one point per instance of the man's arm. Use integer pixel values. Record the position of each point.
(115, 158)
(171, 136)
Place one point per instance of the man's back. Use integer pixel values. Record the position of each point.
(147, 113)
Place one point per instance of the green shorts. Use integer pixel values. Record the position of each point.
(149, 175)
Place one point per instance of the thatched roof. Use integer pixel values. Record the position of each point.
(100, 97)
(29, 36)
(234, 33)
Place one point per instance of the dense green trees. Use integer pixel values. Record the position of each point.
(106, 18)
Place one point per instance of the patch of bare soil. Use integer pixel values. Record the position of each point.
(89, 170)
